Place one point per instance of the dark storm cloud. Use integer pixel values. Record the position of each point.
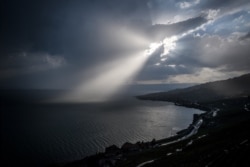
(247, 36)
(215, 4)
(77, 32)
(62, 27)
(83, 33)
(26, 63)
(72, 37)
(160, 31)
(162, 72)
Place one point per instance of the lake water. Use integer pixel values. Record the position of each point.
(39, 134)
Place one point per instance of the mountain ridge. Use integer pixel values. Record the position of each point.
(224, 89)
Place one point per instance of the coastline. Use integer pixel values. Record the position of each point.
(113, 153)
(220, 123)
(208, 113)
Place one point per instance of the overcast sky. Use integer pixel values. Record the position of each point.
(62, 43)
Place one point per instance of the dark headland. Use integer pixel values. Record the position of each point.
(218, 137)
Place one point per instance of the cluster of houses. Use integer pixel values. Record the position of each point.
(113, 153)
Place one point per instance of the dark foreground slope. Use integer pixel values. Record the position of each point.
(219, 137)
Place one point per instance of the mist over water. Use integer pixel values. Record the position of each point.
(39, 134)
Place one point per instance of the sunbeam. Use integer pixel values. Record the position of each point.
(110, 79)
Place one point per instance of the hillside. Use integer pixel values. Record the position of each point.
(208, 92)
(223, 139)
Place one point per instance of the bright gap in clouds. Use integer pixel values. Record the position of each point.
(169, 44)
(152, 48)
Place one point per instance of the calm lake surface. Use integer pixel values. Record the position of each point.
(41, 134)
